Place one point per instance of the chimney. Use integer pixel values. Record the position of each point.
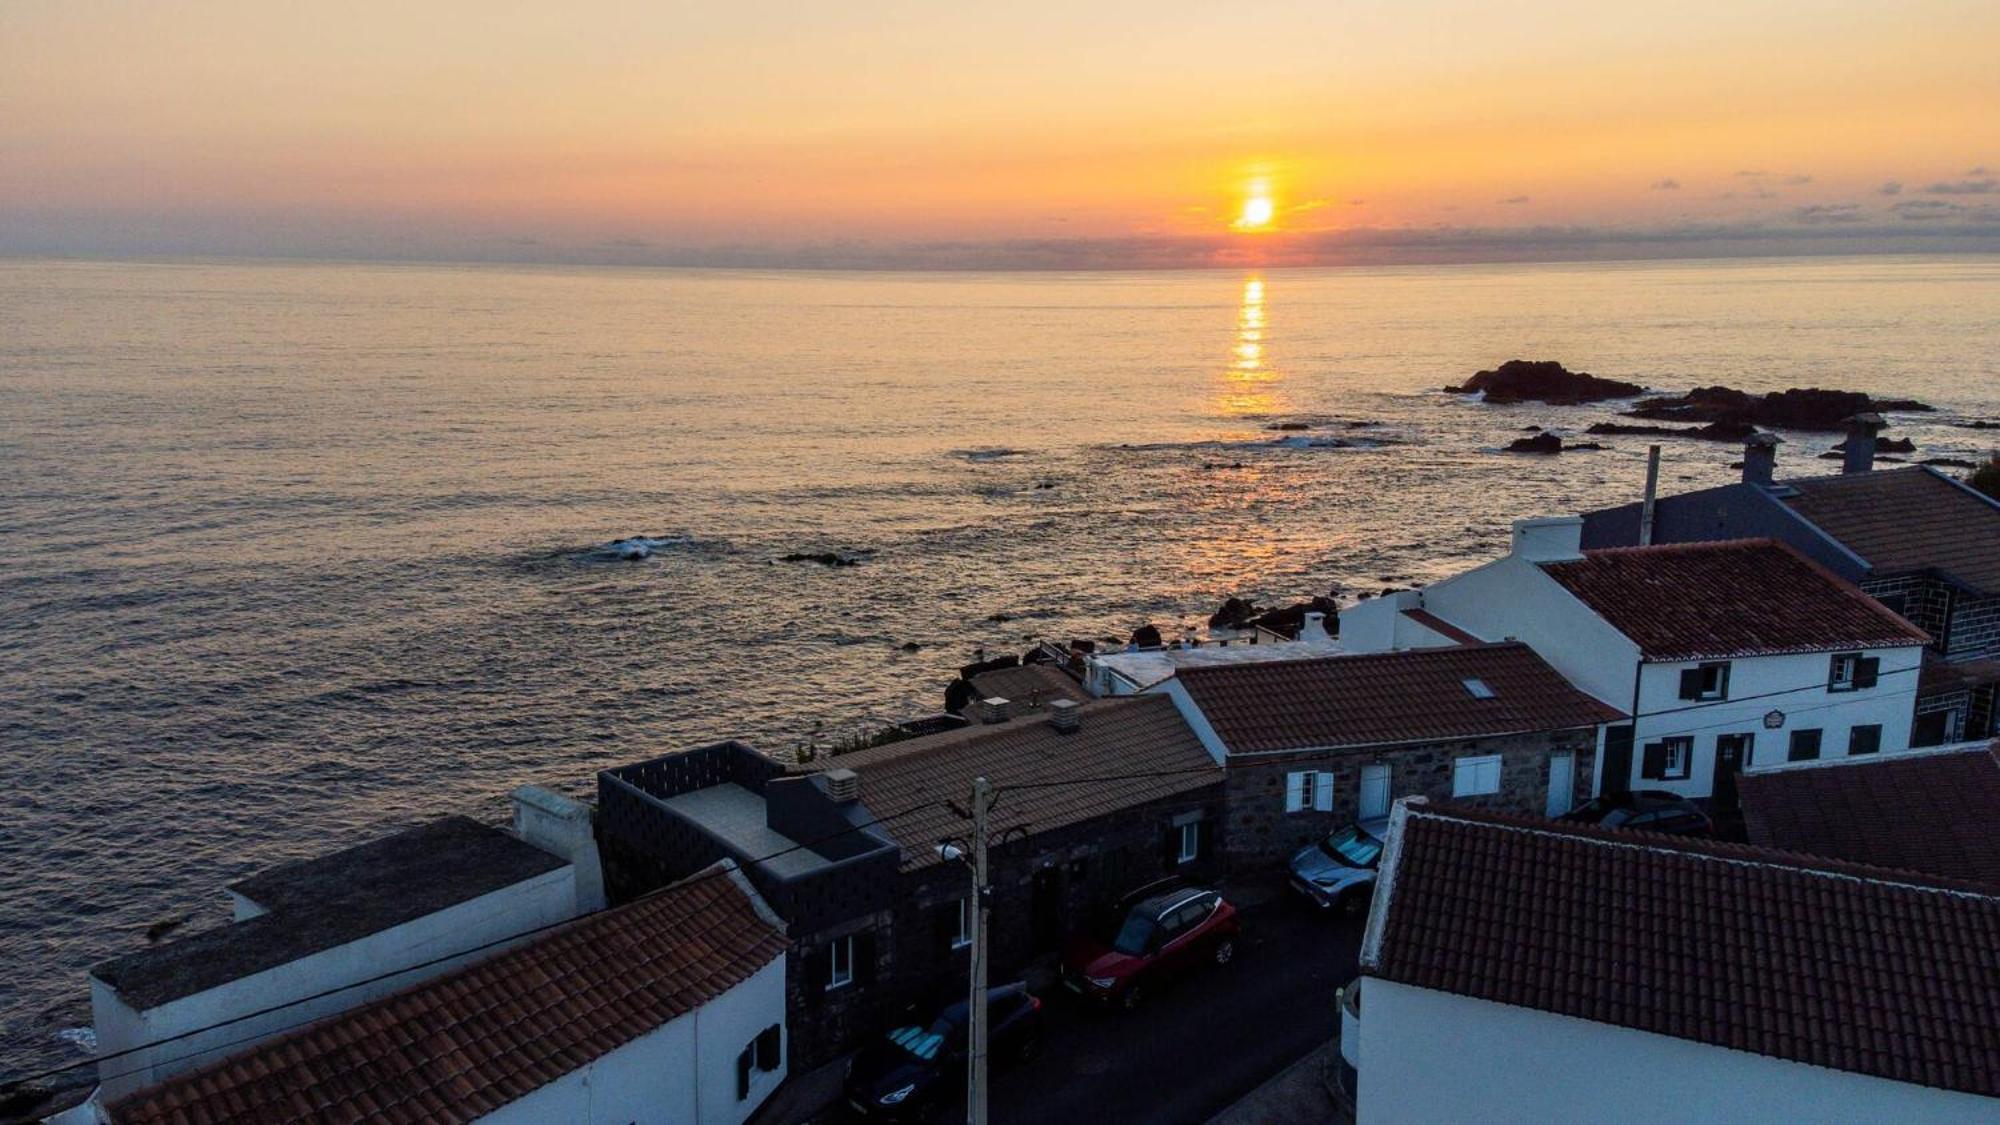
(557, 824)
(1859, 454)
(1550, 539)
(1313, 628)
(993, 709)
(1065, 715)
(843, 787)
(1760, 458)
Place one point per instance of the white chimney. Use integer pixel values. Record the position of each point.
(843, 786)
(1550, 539)
(1313, 628)
(556, 824)
(1065, 715)
(993, 709)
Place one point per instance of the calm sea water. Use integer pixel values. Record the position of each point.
(293, 554)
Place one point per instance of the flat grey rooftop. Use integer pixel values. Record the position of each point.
(319, 904)
(736, 816)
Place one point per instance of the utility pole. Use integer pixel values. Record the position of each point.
(975, 1072)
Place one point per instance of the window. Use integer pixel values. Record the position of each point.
(963, 936)
(1851, 671)
(1478, 689)
(1864, 739)
(1474, 777)
(1705, 681)
(1190, 842)
(1669, 759)
(840, 967)
(1308, 789)
(1805, 745)
(760, 1057)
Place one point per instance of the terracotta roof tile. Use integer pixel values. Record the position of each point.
(1907, 520)
(1138, 744)
(1927, 812)
(460, 1046)
(1026, 688)
(1821, 962)
(1739, 597)
(1371, 699)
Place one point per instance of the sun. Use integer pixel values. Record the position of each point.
(1258, 210)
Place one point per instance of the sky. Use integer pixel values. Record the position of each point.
(1033, 134)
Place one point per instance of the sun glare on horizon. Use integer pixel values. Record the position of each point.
(1258, 210)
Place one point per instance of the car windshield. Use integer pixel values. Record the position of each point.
(1352, 847)
(1134, 935)
(920, 1044)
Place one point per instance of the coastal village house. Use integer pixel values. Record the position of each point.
(1516, 971)
(1312, 745)
(1915, 539)
(1727, 655)
(314, 938)
(666, 1011)
(1094, 800)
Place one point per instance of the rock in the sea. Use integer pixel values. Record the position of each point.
(1289, 620)
(1235, 613)
(1980, 424)
(1885, 445)
(1147, 636)
(1714, 431)
(1543, 443)
(823, 558)
(1289, 426)
(1521, 380)
(1950, 463)
(1808, 408)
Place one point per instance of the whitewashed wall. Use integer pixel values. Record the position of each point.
(683, 1073)
(1436, 1057)
(543, 900)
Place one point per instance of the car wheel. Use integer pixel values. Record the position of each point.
(1029, 1048)
(1225, 951)
(1134, 996)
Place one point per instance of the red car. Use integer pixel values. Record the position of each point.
(1142, 943)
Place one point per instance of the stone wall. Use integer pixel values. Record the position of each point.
(1259, 833)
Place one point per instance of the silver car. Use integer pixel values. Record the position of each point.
(1339, 871)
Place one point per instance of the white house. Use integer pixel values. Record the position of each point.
(1519, 971)
(319, 936)
(666, 1011)
(1134, 670)
(1728, 654)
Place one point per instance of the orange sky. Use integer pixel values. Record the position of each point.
(689, 129)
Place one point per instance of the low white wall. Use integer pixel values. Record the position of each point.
(1437, 1057)
(528, 905)
(681, 1073)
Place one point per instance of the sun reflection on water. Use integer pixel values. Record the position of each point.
(1248, 385)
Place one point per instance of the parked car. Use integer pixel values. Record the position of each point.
(1339, 871)
(918, 1068)
(1654, 810)
(1139, 945)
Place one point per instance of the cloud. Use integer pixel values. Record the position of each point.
(1923, 210)
(1890, 187)
(1748, 174)
(1356, 202)
(1667, 184)
(1796, 179)
(1816, 213)
(1513, 199)
(1965, 187)
(1979, 171)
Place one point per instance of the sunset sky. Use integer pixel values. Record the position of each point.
(1033, 133)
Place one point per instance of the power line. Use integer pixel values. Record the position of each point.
(100, 1059)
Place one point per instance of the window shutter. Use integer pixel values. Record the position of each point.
(864, 957)
(768, 1043)
(1653, 765)
(1690, 685)
(1295, 792)
(1323, 792)
(1867, 671)
(1200, 840)
(743, 1061)
(819, 965)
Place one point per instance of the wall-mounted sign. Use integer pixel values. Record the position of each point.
(1773, 720)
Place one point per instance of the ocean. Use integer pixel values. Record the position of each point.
(292, 554)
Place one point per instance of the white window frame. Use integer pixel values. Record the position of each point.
(1477, 767)
(1678, 764)
(1298, 791)
(840, 963)
(1190, 842)
(963, 937)
(1846, 670)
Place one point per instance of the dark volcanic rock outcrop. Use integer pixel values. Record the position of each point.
(1714, 431)
(1235, 613)
(1886, 445)
(1545, 380)
(1545, 442)
(1808, 408)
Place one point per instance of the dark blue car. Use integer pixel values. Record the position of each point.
(918, 1068)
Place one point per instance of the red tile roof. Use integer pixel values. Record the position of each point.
(1932, 812)
(1739, 597)
(462, 1045)
(1907, 520)
(1372, 699)
(1138, 745)
(1815, 961)
(1026, 688)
